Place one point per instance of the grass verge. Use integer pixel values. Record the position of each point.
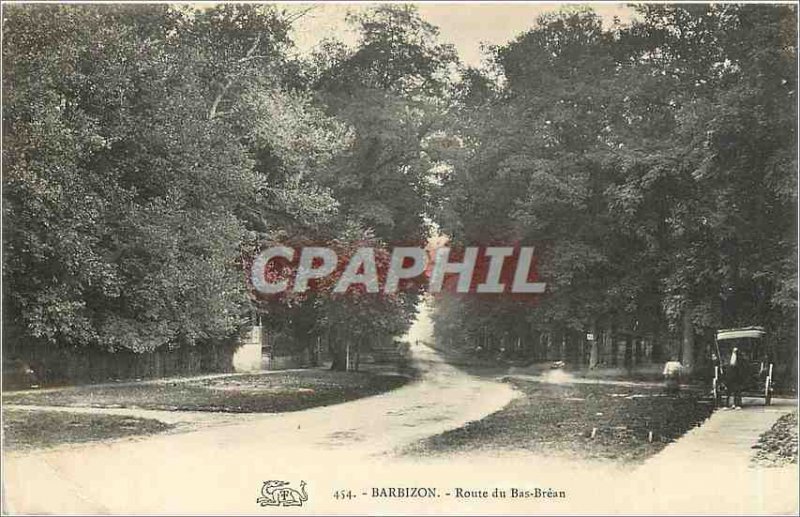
(778, 446)
(274, 392)
(586, 421)
(26, 430)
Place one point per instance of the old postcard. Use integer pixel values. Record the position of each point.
(399, 258)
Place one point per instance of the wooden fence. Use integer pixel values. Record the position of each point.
(51, 366)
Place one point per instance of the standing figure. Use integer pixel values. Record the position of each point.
(737, 373)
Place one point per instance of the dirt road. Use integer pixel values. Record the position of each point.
(220, 469)
(708, 470)
(348, 449)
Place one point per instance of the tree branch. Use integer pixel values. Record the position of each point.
(215, 105)
(291, 19)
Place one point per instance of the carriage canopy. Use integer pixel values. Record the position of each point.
(747, 333)
(749, 341)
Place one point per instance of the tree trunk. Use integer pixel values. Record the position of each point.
(657, 348)
(313, 352)
(358, 354)
(532, 344)
(610, 346)
(637, 350)
(594, 347)
(628, 351)
(338, 354)
(687, 358)
(548, 348)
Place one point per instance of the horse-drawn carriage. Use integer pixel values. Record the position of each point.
(742, 363)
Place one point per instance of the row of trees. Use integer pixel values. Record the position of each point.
(657, 162)
(151, 149)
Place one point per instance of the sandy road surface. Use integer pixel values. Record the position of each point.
(708, 470)
(219, 469)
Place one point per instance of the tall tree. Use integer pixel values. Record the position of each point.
(119, 227)
(654, 158)
(147, 148)
(390, 89)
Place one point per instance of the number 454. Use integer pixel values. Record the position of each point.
(343, 494)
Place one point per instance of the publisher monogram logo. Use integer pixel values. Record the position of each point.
(278, 493)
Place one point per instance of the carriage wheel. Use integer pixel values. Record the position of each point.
(768, 391)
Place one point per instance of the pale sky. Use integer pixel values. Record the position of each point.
(465, 25)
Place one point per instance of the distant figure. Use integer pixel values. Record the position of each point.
(20, 373)
(672, 375)
(737, 374)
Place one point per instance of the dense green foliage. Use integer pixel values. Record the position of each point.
(120, 226)
(150, 149)
(657, 163)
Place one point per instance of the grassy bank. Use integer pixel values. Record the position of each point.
(26, 430)
(778, 446)
(587, 421)
(273, 392)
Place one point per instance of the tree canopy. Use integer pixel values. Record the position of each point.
(151, 149)
(657, 160)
